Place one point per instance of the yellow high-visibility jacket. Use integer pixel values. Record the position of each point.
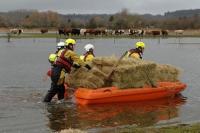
(72, 57)
(134, 53)
(87, 57)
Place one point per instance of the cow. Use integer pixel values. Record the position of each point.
(155, 32)
(119, 32)
(136, 32)
(61, 31)
(75, 31)
(103, 31)
(109, 32)
(16, 31)
(148, 32)
(64, 31)
(92, 32)
(44, 30)
(82, 31)
(164, 33)
(179, 32)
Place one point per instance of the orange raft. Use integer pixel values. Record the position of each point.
(86, 96)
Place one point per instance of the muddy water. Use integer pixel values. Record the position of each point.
(23, 64)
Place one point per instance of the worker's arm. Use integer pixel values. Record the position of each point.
(76, 59)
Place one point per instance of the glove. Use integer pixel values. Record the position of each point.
(76, 66)
(88, 67)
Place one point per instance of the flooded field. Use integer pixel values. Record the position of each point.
(24, 62)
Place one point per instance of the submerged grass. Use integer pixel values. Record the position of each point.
(181, 128)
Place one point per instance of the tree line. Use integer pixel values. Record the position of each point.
(120, 20)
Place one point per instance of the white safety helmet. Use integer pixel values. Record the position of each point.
(60, 45)
(88, 47)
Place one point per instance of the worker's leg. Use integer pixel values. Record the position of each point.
(54, 87)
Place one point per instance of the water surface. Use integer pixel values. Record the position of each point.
(23, 64)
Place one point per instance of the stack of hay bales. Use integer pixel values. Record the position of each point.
(127, 73)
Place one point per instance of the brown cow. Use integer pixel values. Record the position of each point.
(44, 30)
(164, 32)
(148, 32)
(64, 31)
(103, 31)
(155, 32)
(92, 32)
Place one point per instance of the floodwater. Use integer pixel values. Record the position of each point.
(23, 65)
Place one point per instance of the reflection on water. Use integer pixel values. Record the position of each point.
(110, 115)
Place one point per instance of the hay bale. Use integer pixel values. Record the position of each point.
(84, 78)
(121, 85)
(107, 69)
(84, 84)
(95, 80)
(98, 73)
(165, 72)
(134, 74)
(105, 61)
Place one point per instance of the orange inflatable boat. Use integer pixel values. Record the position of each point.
(86, 96)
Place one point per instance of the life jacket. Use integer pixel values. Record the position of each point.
(86, 55)
(135, 51)
(64, 62)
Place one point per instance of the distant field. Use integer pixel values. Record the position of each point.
(53, 33)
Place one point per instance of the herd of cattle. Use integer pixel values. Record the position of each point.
(76, 31)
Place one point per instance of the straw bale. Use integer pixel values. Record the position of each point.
(98, 66)
(96, 80)
(134, 75)
(165, 72)
(77, 73)
(107, 69)
(98, 73)
(97, 61)
(105, 61)
(84, 78)
(121, 85)
(85, 84)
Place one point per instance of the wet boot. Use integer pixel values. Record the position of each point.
(50, 94)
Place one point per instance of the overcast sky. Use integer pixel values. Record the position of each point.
(100, 6)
